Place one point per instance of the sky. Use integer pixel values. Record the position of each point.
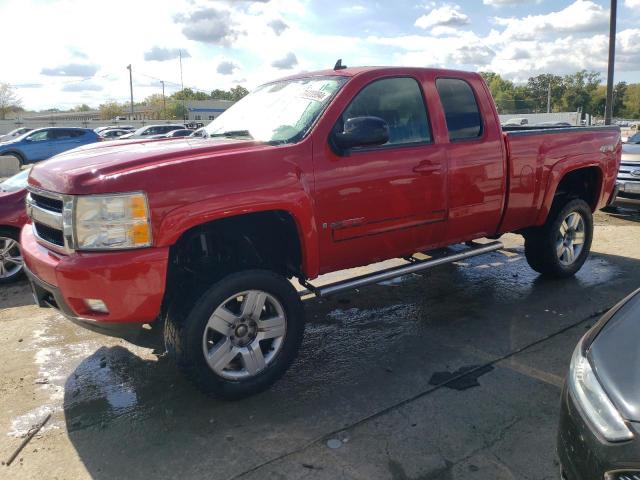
(62, 53)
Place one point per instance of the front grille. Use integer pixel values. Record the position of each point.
(625, 171)
(47, 210)
(627, 476)
(47, 203)
(49, 234)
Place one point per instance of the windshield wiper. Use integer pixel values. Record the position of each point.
(232, 133)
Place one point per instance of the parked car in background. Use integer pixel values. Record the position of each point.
(129, 128)
(628, 184)
(598, 437)
(113, 133)
(14, 134)
(44, 143)
(553, 124)
(12, 217)
(151, 131)
(635, 138)
(201, 132)
(515, 122)
(185, 132)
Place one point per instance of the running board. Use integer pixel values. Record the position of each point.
(414, 266)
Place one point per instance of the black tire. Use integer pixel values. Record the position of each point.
(185, 329)
(541, 244)
(8, 233)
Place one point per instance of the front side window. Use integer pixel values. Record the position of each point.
(399, 102)
(39, 136)
(280, 112)
(460, 108)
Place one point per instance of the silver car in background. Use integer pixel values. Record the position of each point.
(629, 173)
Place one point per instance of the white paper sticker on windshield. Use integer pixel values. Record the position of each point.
(315, 95)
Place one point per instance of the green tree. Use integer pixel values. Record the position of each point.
(9, 100)
(82, 108)
(632, 101)
(579, 89)
(110, 109)
(538, 92)
(238, 92)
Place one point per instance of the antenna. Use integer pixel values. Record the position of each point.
(339, 66)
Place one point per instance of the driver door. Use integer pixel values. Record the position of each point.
(375, 203)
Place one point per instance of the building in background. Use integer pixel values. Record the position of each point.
(206, 110)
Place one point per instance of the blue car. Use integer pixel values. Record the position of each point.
(43, 143)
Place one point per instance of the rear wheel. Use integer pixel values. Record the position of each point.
(561, 246)
(11, 264)
(240, 336)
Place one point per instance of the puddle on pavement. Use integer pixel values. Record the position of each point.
(76, 372)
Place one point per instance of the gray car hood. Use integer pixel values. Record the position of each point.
(615, 356)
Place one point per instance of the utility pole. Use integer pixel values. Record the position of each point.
(608, 109)
(164, 102)
(549, 98)
(131, 88)
(182, 86)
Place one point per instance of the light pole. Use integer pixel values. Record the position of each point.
(608, 109)
(131, 88)
(164, 102)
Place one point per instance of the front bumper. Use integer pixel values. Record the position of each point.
(627, 192)
(584, 456)
(131, 283)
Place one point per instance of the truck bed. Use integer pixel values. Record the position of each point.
(538, 157)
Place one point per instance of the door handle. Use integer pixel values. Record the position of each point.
(427, 167)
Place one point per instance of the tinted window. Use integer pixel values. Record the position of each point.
(460, 108)
(398, 101)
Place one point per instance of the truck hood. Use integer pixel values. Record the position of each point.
(615, 357)
(84, 169)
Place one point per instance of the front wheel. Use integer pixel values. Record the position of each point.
(240, 336)
(11, 263)
(561, 246)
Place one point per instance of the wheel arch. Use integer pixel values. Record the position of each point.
(573, 181)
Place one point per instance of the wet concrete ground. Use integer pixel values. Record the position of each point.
(358, 402)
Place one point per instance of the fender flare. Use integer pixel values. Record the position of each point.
(556, 174)
(298, 205)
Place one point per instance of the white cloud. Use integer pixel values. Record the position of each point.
(500, 3)
(226, 67)
(581, 16)
(632, 3)
(286, 62)
(161, 54)
(445, 16)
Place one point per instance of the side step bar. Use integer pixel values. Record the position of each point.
(414, 266)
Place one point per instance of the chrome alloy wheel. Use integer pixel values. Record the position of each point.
(10, 258)
(244, 334)
(570, 238)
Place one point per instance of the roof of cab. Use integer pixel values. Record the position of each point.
(354, 71)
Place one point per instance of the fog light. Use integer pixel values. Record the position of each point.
(96, 305)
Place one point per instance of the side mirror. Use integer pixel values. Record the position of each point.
(362, 132)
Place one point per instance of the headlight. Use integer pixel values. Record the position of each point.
(593, 400)
(117, 221)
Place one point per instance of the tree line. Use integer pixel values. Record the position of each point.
(582, 90)
(172, 106)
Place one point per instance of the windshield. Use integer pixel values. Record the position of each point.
(279, 112)
(17, 182)
(635, 138)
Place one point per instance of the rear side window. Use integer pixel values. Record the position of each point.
(398, 101)
(460, 108)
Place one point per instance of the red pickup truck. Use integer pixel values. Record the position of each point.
(310, 174)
